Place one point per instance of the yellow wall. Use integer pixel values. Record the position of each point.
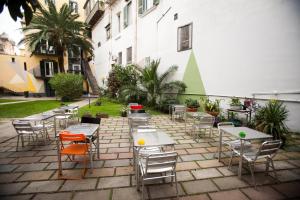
(15, 78)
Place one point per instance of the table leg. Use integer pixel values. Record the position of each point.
(45, 133)
(98, 152)
(91, 157)
(241, 160)
(54, 124)
(220, 145)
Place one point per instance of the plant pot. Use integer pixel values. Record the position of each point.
(213, 113)
(192, 109)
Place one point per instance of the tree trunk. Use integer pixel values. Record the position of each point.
(61, 60)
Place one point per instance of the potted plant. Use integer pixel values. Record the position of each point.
(271, 120)
(123, 112)
(212, 107)
(192, 105)
(235, 103)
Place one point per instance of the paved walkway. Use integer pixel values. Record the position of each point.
(7, 131)
(32, 173)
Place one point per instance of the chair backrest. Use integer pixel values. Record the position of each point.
(22, 126)
(227, 124)
(91, 120)
(165, 161)
(206, 120)
(67, 136)
(179, 108)
(268, 148)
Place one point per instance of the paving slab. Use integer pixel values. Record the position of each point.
(82, 184)
(184, 176)
(93, 195)
(11, 188)
(9, 177)
(206, 173)
(114, 182)
(209, 163)
(34, 176)
(290, 190)
(195, 197)
(164, 191)
(31, 167)
(230, 183)
(127, 194)
(231, 194)
(192, 157)
(17, 197)
(264, 192)
(43, 186)
(56, 196)
(201, 186)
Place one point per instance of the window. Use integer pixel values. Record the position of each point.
(145, 5)
(49, 71)
(76, 68)
(184, 37)
(74, 6)
(120, 58)
(119, 21)
(25, 66)
(129, 55)
(107, 28)
(99, 44)
(13, 60)
(127, 15)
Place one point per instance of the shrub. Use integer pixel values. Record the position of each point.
(192, 103)
(67, 86)
(271, 119)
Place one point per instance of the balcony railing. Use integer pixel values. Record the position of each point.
(93, 12)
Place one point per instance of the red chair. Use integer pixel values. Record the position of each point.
(72, 149)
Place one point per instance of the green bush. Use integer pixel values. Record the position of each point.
(67, 86)
(271, 119)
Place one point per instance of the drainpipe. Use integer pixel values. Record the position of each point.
(157, 23)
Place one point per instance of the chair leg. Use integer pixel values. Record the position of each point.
(251, 166)
(274, 170)
(267, 167)
(18, 142)
(176, 184)
(143, 185)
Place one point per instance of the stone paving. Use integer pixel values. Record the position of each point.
(32, 172)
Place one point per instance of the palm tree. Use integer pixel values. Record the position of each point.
(60, 28)
(152, 85)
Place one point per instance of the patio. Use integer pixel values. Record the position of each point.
(32, 173)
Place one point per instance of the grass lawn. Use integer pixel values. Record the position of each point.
(109, 107)
(9, 100)
(27, 108)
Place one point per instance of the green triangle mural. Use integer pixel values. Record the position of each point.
(192, 77)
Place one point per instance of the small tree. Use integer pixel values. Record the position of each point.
(67, 86)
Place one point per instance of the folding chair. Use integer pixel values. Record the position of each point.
(202, 125)
(157, 166)
(72, 149)
(264, 154)
(178, 111)
(24, 128)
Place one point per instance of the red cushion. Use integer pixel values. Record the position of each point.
(138, 107)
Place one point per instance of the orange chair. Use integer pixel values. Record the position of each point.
(73, 149)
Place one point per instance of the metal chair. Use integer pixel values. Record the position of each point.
(157, 166)
(264, 154)
(62, 117)
(24, 128)
(234, 144)
(178, 111)
(202, 125)
(72, 150)
(91, 120)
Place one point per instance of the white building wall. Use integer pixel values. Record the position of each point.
(241, 46)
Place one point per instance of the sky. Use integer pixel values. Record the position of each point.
(8, 25)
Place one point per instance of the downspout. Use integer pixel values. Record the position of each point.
(157, 22)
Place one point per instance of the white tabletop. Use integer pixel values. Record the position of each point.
(139, 116)
(156, 138)
(39, 117)
(85, 128)
(251, 134)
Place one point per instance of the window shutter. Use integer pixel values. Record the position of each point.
(42, 66)
(125, 11)
(141, 6)
(55, 67)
